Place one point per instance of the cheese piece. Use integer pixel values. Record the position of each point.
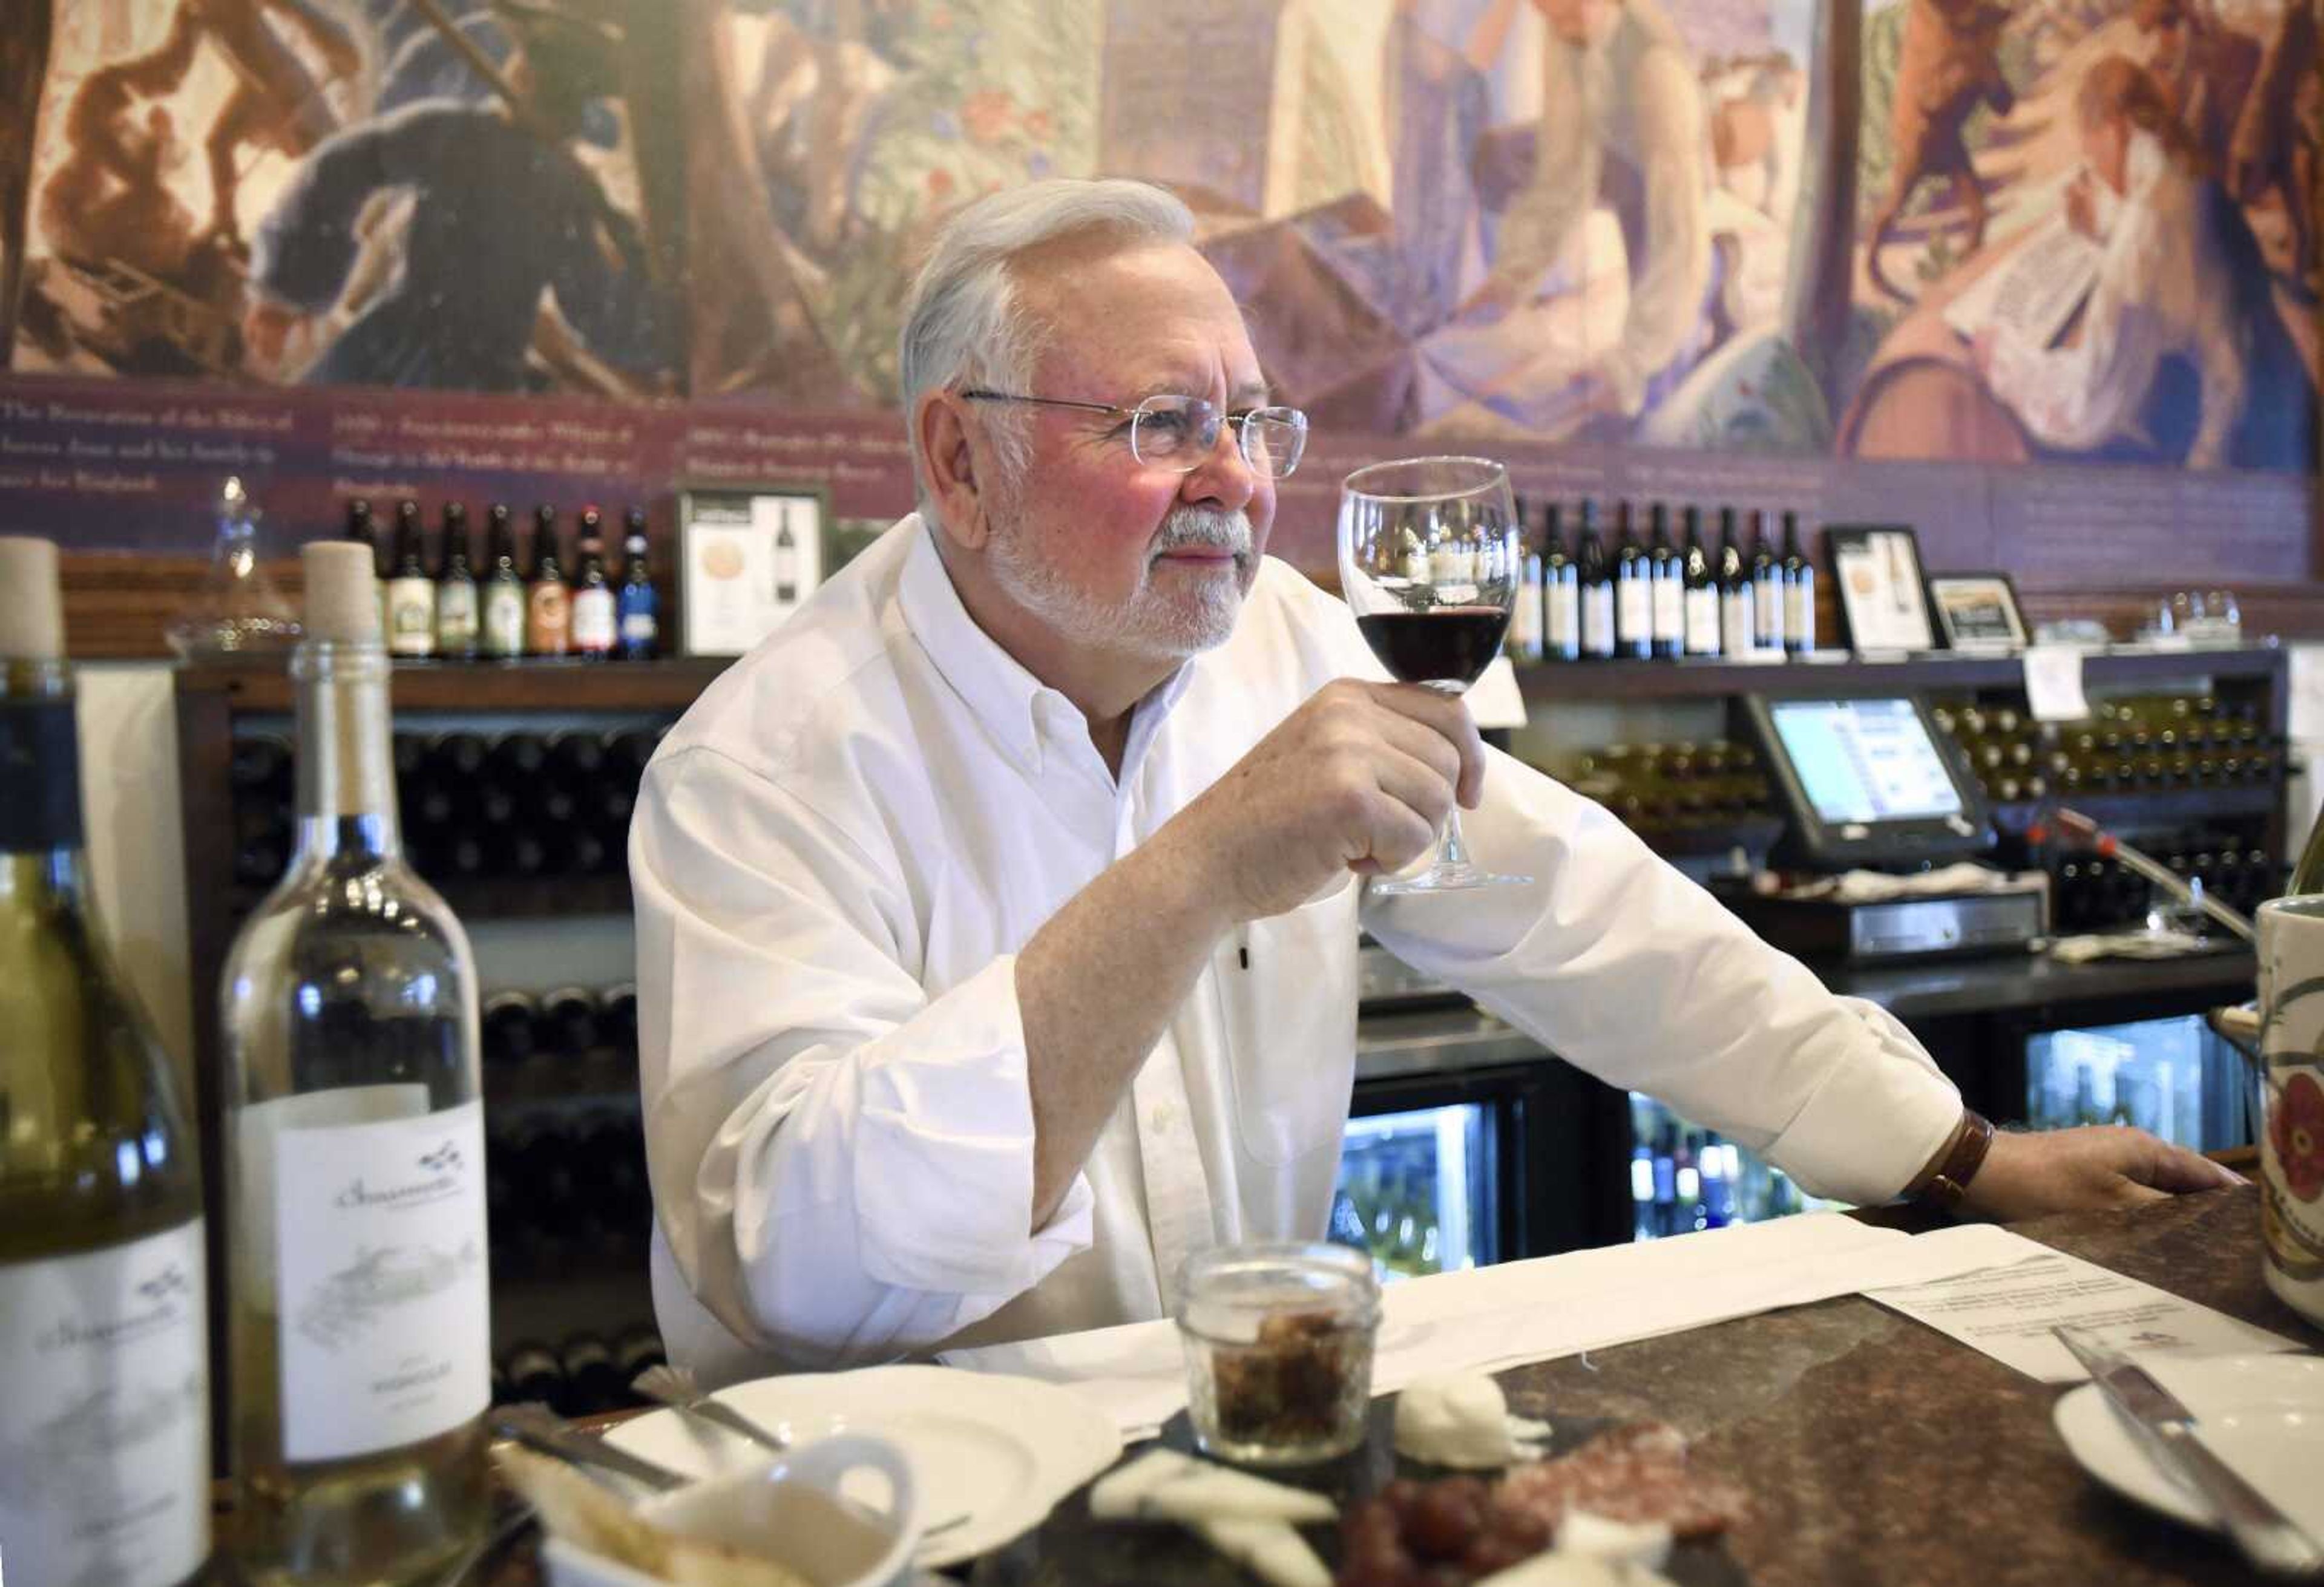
(1601, 1538)
(1270, 1550)
(1461, 1419)
(1164, 1485)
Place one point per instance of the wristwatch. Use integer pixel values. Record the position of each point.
(1945, 1188)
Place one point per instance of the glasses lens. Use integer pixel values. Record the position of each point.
(1178, 430)
(1273, 438)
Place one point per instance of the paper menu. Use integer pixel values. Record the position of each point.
(2006, 1312)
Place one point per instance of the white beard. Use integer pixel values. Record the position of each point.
(1169, 625)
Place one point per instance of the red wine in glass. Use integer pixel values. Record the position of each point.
(1442, 644)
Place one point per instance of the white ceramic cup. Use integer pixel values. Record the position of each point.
(790, 1509)
(2291, 1128)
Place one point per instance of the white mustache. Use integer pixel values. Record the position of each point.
(1205, 525)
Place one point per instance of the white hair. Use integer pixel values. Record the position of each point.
(962, 322)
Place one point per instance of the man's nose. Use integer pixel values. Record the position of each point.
(1224, 476)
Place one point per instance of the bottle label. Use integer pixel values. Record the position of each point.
(1565, 616)
(1767, 607)
(411, 617)
(1736, 633)
(550, 618)
(504, 620)
(1634, 610)
(592, 621)
(1702, 622)
(384, 1317)
(455, 615)
(639, 628)
(1598, 621)
(1798, 615)
(1670, 618)
(105, 1426)
(1524, 626)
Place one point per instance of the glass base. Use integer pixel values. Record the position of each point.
(1445, 878)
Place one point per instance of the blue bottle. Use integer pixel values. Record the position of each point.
(637, 607)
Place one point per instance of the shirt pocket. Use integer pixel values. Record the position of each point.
(1289, 1015)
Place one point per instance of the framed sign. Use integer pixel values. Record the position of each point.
(1881, 592)
(1978, 611)
(748, 556)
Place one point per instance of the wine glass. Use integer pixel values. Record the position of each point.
(1429, 560)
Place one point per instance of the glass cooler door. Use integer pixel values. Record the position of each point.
(1417, 1189)
(2171, 1076)
(1684, 1178)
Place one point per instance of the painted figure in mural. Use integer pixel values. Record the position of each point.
(2181, 355)
(275, 102)
(1948, 65)
(109, 199)
(502, 213)
(2204, 68)
(1438, 106)
(1745, 129)
(1621, 123)
(2274, 148)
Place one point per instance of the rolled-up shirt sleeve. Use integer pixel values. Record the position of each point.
(842, 1162)
(1625, 968)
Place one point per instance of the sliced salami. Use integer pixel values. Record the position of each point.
(1639, 1473)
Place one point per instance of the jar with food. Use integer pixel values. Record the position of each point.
(1278, 1342)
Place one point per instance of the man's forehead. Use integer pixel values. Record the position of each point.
(1156, 316)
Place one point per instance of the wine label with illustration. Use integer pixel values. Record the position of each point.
(380, 1262)
(504, 620)
(2292, 1136)
(455, 615)
(411, 617)
(105, 1436)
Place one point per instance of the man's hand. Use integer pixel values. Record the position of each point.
(2095, 1166)
(1359, 778)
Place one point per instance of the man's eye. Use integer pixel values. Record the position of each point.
(1163, 429)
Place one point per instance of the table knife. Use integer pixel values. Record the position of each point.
(2165, 1429)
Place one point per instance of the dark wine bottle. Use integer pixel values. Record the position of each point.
(569, 1021)
(1766, 590)
(1799, 591)
(597, 629)
(547, 603)
(510, 1028)
(640, 606)
(1737, 617)
(410, 594)
(1561, 593)
(593, 1384)
(1634, 590)
(1701, 591)
(533, 1374)
(456, 590)
(502, 597)
(1668, 586)
(1595, 582)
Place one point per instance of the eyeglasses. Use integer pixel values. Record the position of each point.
(1176, 433)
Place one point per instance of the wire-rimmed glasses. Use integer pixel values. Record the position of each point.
(1429, 562)
(1176, 433)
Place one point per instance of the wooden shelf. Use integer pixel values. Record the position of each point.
(1547, 683)
(488, 685)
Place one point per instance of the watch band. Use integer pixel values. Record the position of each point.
(1949, 1184)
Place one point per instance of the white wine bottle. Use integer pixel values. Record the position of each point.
(357, 1303)
(105, 1437)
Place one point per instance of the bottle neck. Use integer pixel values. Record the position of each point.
(347, 770)
(41, 838)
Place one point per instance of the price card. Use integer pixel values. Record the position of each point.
(2053, 684)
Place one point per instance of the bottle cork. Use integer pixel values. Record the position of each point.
(342, 593)
(32, 610)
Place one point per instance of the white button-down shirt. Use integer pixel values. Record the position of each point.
(838, 853)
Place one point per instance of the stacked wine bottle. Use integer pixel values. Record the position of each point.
(474, 808)
(582, 1374)
(567, 1193)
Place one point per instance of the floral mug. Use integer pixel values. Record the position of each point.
(2291, 1076)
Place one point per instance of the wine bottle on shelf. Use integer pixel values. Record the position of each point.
(1738, 623)
(534, 1374)
(103, 1358)
(637, 1349)
(511, 1025)
(1766, 590)
(358, 1310)
(456, 590)
(569, 1021)
(503, 597)
(1799, 591)
(592, 1381)
(595, 631)
(1701, 591)
(364, 532)
(1523, 638)
(1668, 586)
(1595, 582)
(410, 594)
(1634, 590)
(548, 604)
(1560, 596)
(640, 606)
(618, 1017)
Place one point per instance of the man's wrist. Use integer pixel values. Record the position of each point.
(1943, 1184)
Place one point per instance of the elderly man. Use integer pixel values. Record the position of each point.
(997, 918)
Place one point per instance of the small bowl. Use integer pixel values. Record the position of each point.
(1278, 1342)
(791, 1510)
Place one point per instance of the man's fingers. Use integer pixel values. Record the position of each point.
(1448, 718)
(2176, 1168)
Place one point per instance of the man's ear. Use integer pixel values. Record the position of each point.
(957, 488)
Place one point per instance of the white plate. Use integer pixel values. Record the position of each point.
(2263, 1414)
(1001, 1450)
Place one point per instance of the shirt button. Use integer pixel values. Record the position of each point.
(1161, 1118)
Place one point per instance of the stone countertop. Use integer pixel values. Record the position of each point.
(1877, 1451)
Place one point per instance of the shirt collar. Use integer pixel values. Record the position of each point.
(996, 687)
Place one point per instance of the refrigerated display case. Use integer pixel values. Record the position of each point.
(1418, 1189)
(2172, 1076)
(1684, 1178)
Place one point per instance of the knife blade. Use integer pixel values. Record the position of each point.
(2165, 1429)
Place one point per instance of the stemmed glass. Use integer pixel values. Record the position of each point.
(1429, 560)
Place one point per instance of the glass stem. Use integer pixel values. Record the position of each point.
(1451, 853)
